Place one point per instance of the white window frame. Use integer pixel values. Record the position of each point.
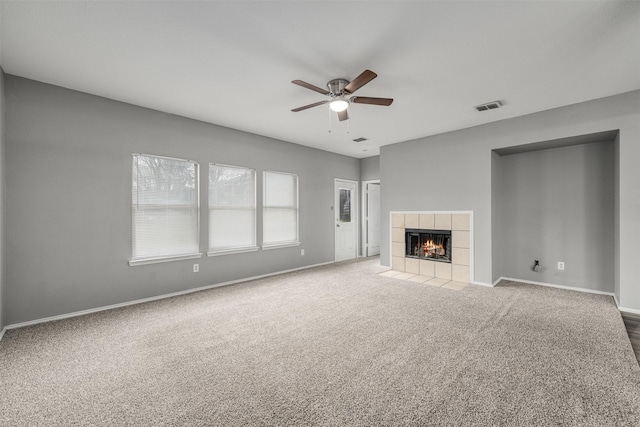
(286, 243)
(174, 257)
(234, 249)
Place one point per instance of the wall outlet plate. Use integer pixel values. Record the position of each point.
(196, 268)
(302, 252)
(560, 265)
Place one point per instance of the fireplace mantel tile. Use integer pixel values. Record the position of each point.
(460, 256)
(461, 239)
(442, 222)
(427, 222)
(397, 221)
(460, 222)
(411, 221)
(398, 235)
(397, 249)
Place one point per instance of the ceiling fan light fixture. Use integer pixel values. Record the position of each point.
(338, 105)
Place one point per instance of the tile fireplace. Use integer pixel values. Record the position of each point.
(435, 244)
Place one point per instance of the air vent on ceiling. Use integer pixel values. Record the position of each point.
(489, 106)
(359, 139)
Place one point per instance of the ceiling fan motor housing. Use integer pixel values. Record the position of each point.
(336, 87)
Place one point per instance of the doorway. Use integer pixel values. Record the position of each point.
(346, 219)
(371, 218)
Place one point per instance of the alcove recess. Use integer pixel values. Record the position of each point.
(460, 226)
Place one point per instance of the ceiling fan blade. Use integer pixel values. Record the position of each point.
(365, 77)
(371, 101)
(315, 104)
(343, 115)
(310, 86)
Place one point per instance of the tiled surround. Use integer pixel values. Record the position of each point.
(460, 226)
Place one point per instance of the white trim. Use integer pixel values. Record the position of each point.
(488, 285)
(145, 261)
(280, 245)
(155, 298)
(629, 310)
(2, 333)
(356, 216)
(551, 285)
(220, 252)
(165, 157)
(364, 248)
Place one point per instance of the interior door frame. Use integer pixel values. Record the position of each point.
(356, 214)
(363, 220)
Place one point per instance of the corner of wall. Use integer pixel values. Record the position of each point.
(616, 218)
(2, 173)
(496, 216)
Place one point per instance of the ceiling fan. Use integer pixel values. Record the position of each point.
(340, 91)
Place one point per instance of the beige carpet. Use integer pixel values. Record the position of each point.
(337, 345)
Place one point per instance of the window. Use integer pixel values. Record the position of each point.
(164, 209)
(232, 209)
(280, 209)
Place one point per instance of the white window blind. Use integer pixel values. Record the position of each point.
(280, 209)
(164, 207)
(232, 208)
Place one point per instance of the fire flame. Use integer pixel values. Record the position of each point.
(430, 248)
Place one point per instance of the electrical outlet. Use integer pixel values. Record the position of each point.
(196, 268)
(560, 265)
(302, 252)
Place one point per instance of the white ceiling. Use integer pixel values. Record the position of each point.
(231, 62)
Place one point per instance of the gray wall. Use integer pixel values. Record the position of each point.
(68, 176)
(558, 205)
(2, 173)
(460, 172)
(370, 168)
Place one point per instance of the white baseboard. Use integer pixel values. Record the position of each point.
(552, 285)
(628, 310)
(488, 285)
(154, 298)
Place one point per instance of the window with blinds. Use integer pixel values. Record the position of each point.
(232, 209)
(280, 209)
(164, 209)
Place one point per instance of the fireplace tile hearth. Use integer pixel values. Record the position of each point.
(419, 279)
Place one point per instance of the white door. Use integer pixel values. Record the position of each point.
(372, 219)
(346, 219)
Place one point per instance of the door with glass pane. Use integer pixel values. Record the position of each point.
(346, 219)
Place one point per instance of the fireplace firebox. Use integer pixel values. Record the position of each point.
(434, 245)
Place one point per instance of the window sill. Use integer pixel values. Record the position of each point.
(280, 245)
(221, 252)
(145, 261)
